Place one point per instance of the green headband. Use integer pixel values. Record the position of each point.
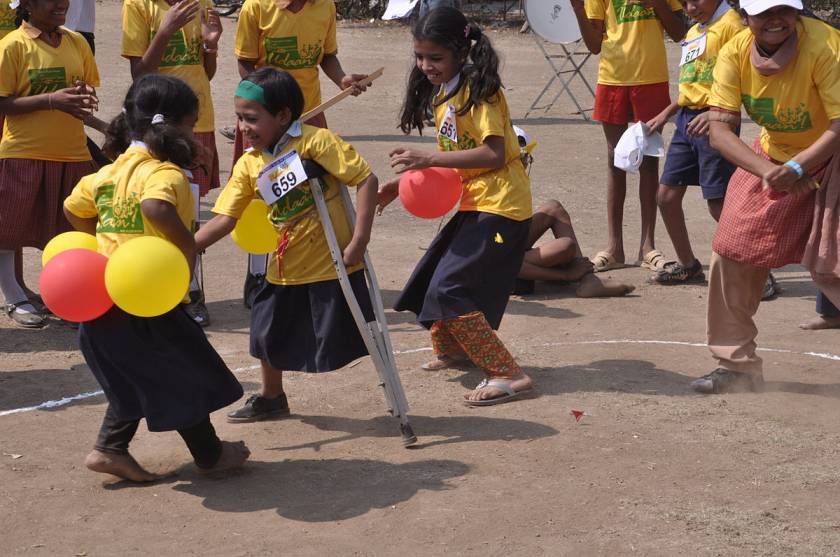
(251, 91)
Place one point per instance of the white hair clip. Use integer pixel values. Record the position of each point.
(157, 119)
(14, 4)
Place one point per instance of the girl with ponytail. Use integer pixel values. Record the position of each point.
(460, 288)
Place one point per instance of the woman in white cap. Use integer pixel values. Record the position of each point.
(784, 70)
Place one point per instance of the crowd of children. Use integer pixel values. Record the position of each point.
(776, 203)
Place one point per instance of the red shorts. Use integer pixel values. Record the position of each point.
(624, 104)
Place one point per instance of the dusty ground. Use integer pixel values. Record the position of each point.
(654, 470)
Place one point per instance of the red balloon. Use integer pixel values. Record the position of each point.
(73, 285)
(430, 193)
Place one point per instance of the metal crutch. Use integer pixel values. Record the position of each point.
(374, 333)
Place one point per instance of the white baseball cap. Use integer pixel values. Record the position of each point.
(755, 7)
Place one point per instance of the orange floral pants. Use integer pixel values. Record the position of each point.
(470, 336)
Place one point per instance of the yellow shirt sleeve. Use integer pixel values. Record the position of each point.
(726, 89)
(136, 33)
(81, 202)
(247, 32)
(166, 184)
(827, 81)
(596, 9)
(330, 41)
(9, 59)
(239, 191)
(338, 158)
(488, 119)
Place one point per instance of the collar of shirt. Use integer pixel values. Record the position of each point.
(136, 143)
(722, 8)
(33, 32)
(295, 130)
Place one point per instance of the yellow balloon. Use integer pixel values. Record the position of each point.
(254, 233)
(147, 276)
(66, 241)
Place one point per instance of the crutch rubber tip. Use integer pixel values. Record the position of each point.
(408, 437)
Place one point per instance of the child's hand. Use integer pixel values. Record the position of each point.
(406, 159)
(783, 178)
(387, 193)
(353, 80)
(354, 253)
(657, 123)
(76, 104)
(211, 28)
(699, 126)
(179, 15)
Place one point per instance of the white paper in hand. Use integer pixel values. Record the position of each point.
(634, 145)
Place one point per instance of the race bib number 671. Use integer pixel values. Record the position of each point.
(280, 177)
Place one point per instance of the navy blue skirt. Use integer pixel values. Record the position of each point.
(470, 266)
(159, 368)
(308, 327)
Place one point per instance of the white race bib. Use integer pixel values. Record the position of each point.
(448, 128)
(693, 49)
(280, 177)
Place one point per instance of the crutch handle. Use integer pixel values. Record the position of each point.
(313, 169)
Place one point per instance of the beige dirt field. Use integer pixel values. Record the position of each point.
(652, 470)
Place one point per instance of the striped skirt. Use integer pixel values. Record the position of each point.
(206, 174)
(32, 194)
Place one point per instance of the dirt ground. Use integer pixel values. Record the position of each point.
(652, 470)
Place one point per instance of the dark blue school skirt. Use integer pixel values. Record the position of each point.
(308, 327)
(471, 266)
(159, 368)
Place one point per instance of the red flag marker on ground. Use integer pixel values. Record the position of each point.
(578, 414)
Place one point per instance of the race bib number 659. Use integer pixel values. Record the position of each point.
(280, 177)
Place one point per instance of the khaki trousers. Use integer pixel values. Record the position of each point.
(734, 296)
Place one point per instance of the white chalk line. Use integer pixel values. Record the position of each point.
(81, 396)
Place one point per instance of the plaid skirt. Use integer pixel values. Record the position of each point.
(762, 227)
(32, 194)
(206, 175)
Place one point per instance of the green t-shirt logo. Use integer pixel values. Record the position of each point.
(123, 217)
(294, 204)
(698, 71)
(465, 142)
(789, 120)
(181, 52)
(630, 10)
(47, 80)
(284, 53)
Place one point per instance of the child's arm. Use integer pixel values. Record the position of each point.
(672, 21)
(332, 67)
(69, 100)
(366, 195)
(490, 154)
(81, 224)
(211, 31)
(214, 230)
(592, 30)
(246, 67)
(658, 122)
(178, 15)
(164, 217)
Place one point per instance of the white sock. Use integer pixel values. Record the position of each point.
(257, 264)
(12, 291)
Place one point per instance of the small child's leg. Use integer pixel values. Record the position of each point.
(448, 353)
(110, 454)
(670, 201)
(209, 452)
(616, 192)
(270, 403)
(648, 184)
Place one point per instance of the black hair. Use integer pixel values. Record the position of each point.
(21, 14)
(280, 91)
(449, 28)
(150, 95)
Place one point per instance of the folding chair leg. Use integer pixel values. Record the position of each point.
(374, 333)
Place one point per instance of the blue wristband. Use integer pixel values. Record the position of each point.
(796, 167)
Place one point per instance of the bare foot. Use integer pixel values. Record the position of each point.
(121, 465)
(518, 384)
(593, 286)
(234, 455)
(447, 362)
(821, 322)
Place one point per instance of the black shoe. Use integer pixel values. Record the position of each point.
(771, 288)
(196, 308)
(726, 381)
(253, 284)
(677, 273)
(260, 408)
(523, 287)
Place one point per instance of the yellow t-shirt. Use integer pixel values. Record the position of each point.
(307, 258)
(32, 67)
(633, 50)
(506, 191)
(183, 57)
(793, 107)
(295, 42)
(115, 192)
(696, 77)
(7, 19)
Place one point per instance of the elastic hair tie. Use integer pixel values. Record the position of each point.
(250, 91)
(157, 119)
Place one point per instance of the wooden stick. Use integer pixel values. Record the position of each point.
(339, 97)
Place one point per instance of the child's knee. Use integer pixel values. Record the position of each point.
(667, 197)
(555, 209)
